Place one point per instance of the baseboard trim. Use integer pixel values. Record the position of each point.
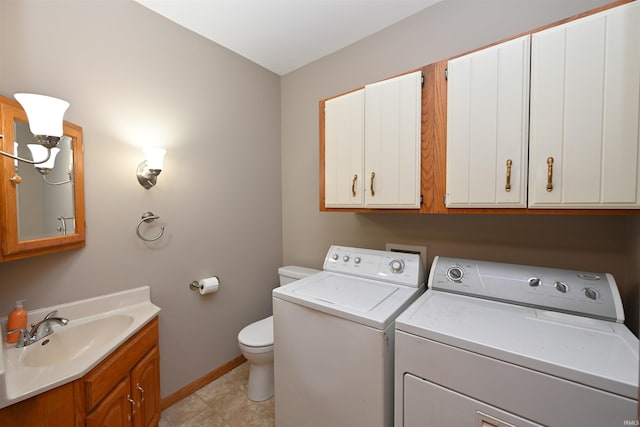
(185, 391)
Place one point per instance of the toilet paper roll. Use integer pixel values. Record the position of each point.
(208, 285)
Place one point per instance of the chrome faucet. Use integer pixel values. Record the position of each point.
(39, 329)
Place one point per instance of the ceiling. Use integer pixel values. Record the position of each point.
(283, 35)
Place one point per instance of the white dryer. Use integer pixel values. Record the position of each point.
(497, 345)
(334, 335)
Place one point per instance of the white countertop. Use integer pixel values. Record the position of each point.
(19, 381)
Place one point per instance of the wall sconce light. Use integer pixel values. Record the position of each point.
(150, 168)
(45, 115)
(38, 151)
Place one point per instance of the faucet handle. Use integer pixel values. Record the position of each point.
(23, 338)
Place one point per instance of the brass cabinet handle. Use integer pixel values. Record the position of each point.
(549, 174)
(507, 187)
(353, 185)
(141, 394)
(17, 179)
(133, 407)
(373, 192)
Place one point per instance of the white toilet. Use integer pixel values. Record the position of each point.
(256, 342)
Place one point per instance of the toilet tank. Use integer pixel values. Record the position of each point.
(291, 273)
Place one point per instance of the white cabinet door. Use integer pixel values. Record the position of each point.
(344, 150)
(585, 104)
(487, 127)
(393, 142)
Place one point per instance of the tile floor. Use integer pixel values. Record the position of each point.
(221, 403)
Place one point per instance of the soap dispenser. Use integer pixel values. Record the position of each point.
(17, 319)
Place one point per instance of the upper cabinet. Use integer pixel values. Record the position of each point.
(344, 150)
(42, 206)
(371, 141)
(565, 137)
(585, 106)
(487, 133)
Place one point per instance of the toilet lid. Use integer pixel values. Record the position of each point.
(257, 334)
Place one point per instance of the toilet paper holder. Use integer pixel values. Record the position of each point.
(203, 287)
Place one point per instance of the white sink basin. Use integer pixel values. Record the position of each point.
(72, 341)
(96, 327)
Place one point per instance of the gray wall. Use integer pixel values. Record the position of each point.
(446, 29)
(134, 78)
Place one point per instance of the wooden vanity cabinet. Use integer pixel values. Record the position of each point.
(124, 389)
(53, 408)
(127, 380)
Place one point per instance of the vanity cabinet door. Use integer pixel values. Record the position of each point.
(145, 389)
(53, 408)
(585, 81)
(487, 129)
(115, 410)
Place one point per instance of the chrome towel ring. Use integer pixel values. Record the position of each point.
(149, 217)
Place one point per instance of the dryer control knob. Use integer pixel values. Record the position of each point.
(534, 282)
(397, 266)
(335, 257)
(357, 260)
(561, 287)
(345, 258)
(591, 293)
(455, 274)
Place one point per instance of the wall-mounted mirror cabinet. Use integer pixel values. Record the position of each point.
(42, 205)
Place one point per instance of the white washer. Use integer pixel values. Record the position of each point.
(492, 344)
(334, 335)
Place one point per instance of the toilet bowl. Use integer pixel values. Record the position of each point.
(256, 342)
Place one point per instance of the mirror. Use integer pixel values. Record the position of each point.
(42, 208)
(45, 195)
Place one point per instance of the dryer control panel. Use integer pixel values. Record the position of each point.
(395, 267)
(583, 293)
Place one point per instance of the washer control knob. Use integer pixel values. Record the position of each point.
(455, 274)
(591, 293)
(534, 282)
(397, 266)
(561, 287)
(357, 260)
(345, 258)
(335, 257)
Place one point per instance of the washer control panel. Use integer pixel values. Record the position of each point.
(576, 292)
(395, 267)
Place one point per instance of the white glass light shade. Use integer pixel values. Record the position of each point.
(154, 157)
(44, 113)
(40, 152)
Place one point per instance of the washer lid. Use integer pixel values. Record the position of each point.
(588, 351)
(370, 302)
(257, 334)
